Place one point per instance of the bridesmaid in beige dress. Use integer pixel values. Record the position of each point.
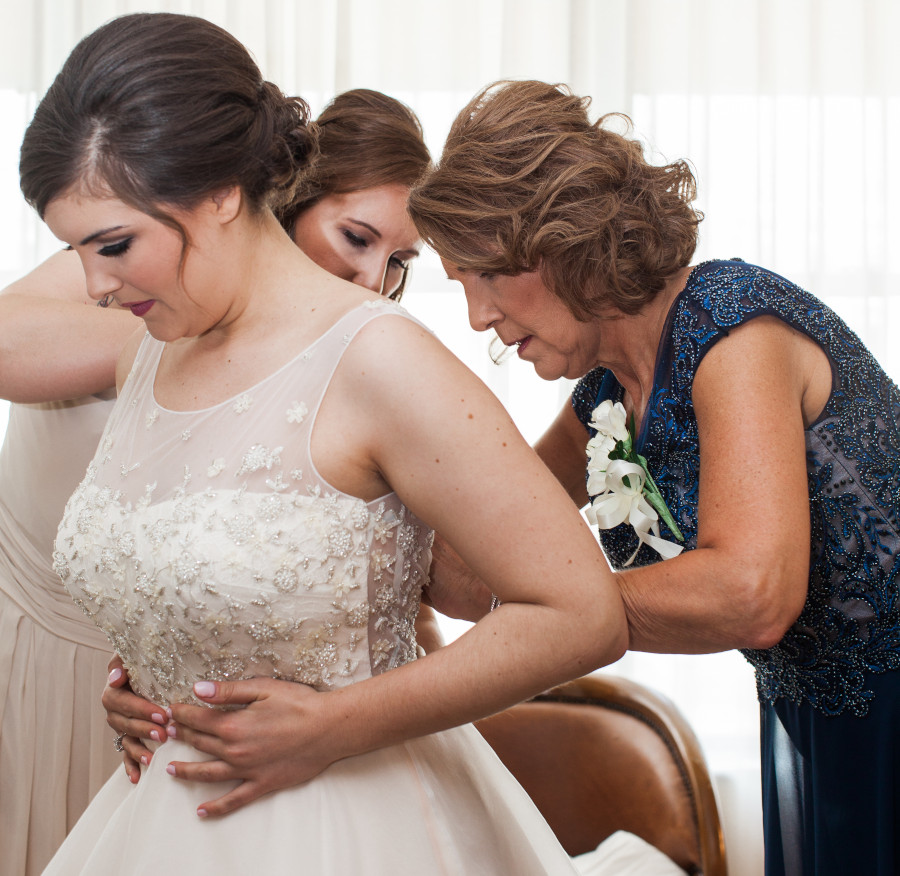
(56, 749)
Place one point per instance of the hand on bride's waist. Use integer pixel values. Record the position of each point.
(274, 742)
(133, 719)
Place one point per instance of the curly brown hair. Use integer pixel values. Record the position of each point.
(527, 182)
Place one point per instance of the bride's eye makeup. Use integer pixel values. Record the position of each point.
(111, 250)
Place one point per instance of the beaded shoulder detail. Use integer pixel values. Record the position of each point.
(850, 625)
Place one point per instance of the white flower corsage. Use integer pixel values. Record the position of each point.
(620, 484)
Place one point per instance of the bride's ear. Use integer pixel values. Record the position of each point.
(227, 204)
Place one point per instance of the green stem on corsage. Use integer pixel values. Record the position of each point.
(654, 497)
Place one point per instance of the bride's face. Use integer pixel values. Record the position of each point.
(140, 262)
(365, 237)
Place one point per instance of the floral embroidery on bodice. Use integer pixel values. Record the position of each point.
(206, 546)
(850, 625)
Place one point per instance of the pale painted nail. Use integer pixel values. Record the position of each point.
(155, 734)
(170, 770)
(170, 730)
(205, 689)
(115, 675)
(158, 717)
(202, 813)
(169, 713)
(145, 760)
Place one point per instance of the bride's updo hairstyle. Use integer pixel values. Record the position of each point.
(527, 182)
(162, 110)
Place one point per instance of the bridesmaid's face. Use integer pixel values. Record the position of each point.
(141, 263)
(365, 237)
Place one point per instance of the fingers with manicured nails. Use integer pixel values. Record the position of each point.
(135, 753)
(132, 768)
(243, 794)
(128, 713)
(202, 771)
(209, 743)
(233, 693)
(270, 744)
(118, 675)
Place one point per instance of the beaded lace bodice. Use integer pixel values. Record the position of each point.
(850, 625)
(206, 546)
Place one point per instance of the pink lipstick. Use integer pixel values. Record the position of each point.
(139, 308)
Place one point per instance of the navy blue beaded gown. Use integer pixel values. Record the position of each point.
(830, 689)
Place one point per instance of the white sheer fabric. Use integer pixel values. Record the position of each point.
(789, 110)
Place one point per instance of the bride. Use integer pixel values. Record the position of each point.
(262, 501)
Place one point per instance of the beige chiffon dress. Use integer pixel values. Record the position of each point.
(56, 749)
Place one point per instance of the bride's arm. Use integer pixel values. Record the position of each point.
(446, 446)
(54, 343)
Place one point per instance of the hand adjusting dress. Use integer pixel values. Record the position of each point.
(206, 546)
(830, 689)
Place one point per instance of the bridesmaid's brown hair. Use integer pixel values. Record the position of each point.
(366, 139)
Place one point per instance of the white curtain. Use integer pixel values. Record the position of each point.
(788, 109)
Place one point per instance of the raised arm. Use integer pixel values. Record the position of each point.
(54, 342)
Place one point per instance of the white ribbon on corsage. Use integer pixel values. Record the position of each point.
(621, 499)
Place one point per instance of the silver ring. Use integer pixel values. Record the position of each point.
(117, 742)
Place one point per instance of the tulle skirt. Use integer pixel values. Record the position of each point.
(442, 804)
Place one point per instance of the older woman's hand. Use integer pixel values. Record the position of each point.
(454, 589)
(274, 742)
(133, 717)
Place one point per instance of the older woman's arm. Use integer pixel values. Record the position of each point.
(563, 449)
(54, 343)
(746, 582)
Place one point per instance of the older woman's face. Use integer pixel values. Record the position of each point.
(365, 237)
(525, 313)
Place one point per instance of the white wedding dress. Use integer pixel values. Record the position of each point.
(206, 546)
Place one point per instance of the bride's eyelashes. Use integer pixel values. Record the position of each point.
(119, 248)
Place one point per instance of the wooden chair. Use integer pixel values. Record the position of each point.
(602, 754)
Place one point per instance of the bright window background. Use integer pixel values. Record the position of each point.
(788, 109)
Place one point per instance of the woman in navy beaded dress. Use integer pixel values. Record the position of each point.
(771, 433)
